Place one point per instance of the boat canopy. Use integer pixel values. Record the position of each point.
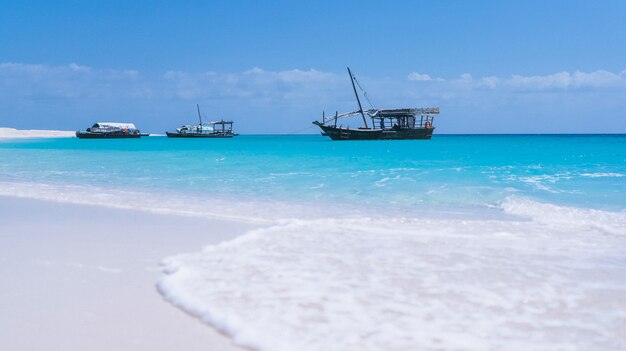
(113, 125)
(222, 122)
(402, 112)
(198, 127)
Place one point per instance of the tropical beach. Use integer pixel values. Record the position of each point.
(487, 252)
(279, 176)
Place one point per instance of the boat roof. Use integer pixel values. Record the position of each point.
(203, 125)
(402, 112)
(208, 124)
(114, 125)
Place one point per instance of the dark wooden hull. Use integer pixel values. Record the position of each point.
(337, 133)
(113, 135)
(199, 135)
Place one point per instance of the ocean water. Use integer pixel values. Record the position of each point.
(447, 172)
(464, 242)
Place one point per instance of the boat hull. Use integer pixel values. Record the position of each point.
(338, 133)
(198, 135)
(114, 135)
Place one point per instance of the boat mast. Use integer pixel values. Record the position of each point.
(197, 105)
(357, 98)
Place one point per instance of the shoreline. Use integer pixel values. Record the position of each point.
(12, 133)
(84, 277)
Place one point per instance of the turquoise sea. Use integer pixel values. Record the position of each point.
(463, 242)
(464, 172)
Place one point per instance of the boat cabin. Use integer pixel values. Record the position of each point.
(106, 127)
(110, 130)
(220, 127)
(223, 127)
(196, 129)
(404, 118)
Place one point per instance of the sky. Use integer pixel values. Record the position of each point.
(273, 67)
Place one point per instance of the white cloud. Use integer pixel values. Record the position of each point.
(420, 77)
(35, 81)
(295, 76)
(296, 85)
(255, 83)
(490, 82)
(561, 80)
(466, 77)
(77, 68)
(22, 67)
(291, 96)
(38, 69)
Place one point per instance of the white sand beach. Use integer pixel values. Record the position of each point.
(81, 277)
(12, 133)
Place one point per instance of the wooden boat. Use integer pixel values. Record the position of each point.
(386, 124)
(110, 130)
(219, 129)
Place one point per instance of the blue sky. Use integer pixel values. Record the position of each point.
(491, 66)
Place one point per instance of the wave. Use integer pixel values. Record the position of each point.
(165, 203)
(603, 175)
(551, 278)
(566, 218)
(540, 276)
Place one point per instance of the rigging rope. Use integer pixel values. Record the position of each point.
(301, 130)
(364, 92)
(277, 136)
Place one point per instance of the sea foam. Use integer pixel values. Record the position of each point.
(540, 276)
(550, 280)
(160, 203)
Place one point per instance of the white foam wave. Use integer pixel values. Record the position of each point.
(603, 175)
(567, 218)
(539, 181)
(238, 208)
(143, 201)
(419, 284)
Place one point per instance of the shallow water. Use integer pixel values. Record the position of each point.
(448, 171)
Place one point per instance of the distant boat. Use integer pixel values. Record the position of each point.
(219, 129)
(401, 123)
(110, 130)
